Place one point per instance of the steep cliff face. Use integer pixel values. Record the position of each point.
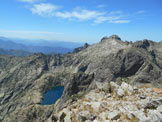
(23, 80)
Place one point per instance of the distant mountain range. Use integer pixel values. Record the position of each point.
(36, 46)
(14, 52)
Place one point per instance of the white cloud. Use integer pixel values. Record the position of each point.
(120, 21)
(80, 14)
(141, 12)
(117, 17)
(96, 16)
(47, 9)
(110, 19)
(101, 6)
(100, 20)
(116, 13)
(28, 1)
(44, 9)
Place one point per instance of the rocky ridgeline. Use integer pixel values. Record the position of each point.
(122, 103)
(24, 80)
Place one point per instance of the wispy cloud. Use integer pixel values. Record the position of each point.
(101, 6)
(80, 14)
(97, 16)
(120, 21)
(47, 9)
(117, 17)
(139, 15)
(116, 13)
(101, 19)
(141, 12)
(106, 18)
(28, 1)
(44, 9)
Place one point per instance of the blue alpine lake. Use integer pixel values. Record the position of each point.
(51, 96)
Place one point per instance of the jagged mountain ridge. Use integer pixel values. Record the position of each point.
(24, 79)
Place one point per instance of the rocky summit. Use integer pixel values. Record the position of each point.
(102, 82)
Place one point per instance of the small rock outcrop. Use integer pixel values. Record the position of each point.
(76, 50)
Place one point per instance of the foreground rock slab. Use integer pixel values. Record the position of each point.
(100, 106)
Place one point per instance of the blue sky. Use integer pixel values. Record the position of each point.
(81, 20)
